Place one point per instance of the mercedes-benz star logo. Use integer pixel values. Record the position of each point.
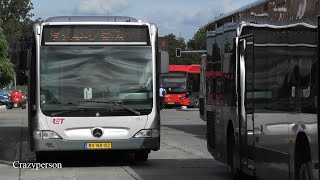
(97, 132)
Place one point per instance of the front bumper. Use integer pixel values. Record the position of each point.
(172, 103)
(77, 145)
(16, 104)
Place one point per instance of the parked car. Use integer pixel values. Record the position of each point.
(4, 97)
(18, 99)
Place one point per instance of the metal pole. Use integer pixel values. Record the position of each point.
(15, 81)
(197, 51)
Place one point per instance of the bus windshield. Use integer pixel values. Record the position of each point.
(71, 74)
(175, 84)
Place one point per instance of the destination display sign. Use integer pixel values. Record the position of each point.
(59, 34)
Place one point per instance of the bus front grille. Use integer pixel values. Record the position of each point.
(211, 129)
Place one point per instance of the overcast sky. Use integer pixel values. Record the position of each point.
(180, 17)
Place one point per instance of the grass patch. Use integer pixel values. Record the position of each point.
(24, 87)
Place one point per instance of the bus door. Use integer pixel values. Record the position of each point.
(32, 92)
(245, 106)
(202, 92)
(318, 103)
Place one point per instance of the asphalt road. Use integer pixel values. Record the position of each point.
(183, 154)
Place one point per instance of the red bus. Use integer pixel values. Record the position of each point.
(182, 84)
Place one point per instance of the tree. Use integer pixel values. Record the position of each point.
(17, 27)
(6, 67)
(198, 41)
(15, 15)
(174, 43)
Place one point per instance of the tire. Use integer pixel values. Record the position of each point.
(23, 106)
(237, 174)
(44, 157)
(196, 103)
(41, 157)
(304, 171)
(233, 167)
(9, 106)
(141, 156)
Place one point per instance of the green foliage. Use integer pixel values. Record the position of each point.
(3, 44)
(174, 43)
(16, 23)
(6, 67)
(15, 15)
(6, 71)
(25, 88)
(198, 42)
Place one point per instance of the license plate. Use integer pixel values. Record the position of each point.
(15, 105)
(170, 102)
(98, 145)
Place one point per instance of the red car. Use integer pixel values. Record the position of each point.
(18, 99)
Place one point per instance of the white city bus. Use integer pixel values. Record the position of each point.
(93, 86)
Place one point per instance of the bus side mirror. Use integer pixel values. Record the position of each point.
(164, 62)
(25, 59)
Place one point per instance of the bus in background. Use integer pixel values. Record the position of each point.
(182, 85)
(93, 85)
(262, 90)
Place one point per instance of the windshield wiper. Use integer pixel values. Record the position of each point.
(67, 111)
(117, 103)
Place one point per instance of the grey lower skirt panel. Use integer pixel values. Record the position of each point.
(65, 145)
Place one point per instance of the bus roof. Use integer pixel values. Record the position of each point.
(91, 19)
(275, 12)
(193, 68)
(244, 8)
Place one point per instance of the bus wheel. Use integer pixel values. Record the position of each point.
(232, 158)
(233, 166)
(305, 171)
(196, 103)
(41, 157)
(303, 165)
(141, 156)
(45, 156)
(236, 173)
(9, 106)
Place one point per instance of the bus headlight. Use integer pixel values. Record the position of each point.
(155, 133)
(46, 135)
(147, 133)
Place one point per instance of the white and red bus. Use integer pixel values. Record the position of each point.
(182, 85)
